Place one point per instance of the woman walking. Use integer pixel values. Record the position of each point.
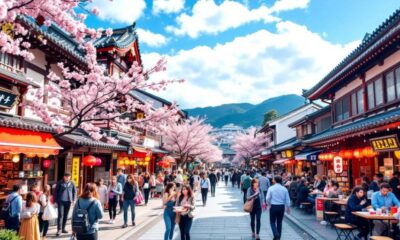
(114, 193)
(89, 202)
(205, 186)
(128, 197)
(187, 201)
(44, 200)
(102, 190)
(29, 229)
(146, 187)
(258, 204)
(169, 200)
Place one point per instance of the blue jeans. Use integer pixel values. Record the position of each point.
(12, 223)
(276, 214)
(169, 220)
(184, 226)
(128, 203)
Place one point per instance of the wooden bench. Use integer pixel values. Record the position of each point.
(344, 231)
(331, 217)
(306, 206)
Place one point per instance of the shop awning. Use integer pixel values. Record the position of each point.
(280, 161)
(14, 140)
(310, 155)
(81, 139)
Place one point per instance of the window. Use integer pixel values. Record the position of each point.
(10, 62)
(370, 91)
(357, 102)
(342, 108)
(360, 101)
(378, 92)
(390, 89)
(397, 75)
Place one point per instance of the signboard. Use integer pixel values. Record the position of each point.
(319, 208)
(385, 144)
(75, 170)
(287, 154)
(7, 98)
(338, 164)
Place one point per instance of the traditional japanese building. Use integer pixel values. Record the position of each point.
(363, 91)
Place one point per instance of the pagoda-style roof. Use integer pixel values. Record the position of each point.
(288, 144)
(121, 38)
(7, 120)
(374, 44)
(356, 128)
(80, 138)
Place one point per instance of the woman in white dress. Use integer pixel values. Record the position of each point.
(29, 228)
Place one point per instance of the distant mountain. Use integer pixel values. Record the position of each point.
(246, 114)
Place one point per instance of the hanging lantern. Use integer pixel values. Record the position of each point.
(15, 158)
(397, 154)
(46, 163)
(330, 156)
(147, 158)
(342, 153)
(132, 162)
(89, 160)
(98, 162)
(357, 153)
(348, 154)
(121, 162)
(369, 152)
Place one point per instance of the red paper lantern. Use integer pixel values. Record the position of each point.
(357, 153)
(330, 156)
(89, 160)
(348, 154)
(342, 153)
(46, 163)
(368, 152)
(98, 162)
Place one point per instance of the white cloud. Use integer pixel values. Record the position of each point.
(168, 6)
(208, 17)
(285, 5)
(151, 39)
(121, 11)
(251, 68)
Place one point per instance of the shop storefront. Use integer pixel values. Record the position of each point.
(26, 157)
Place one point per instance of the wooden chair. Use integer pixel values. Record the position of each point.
(380, 238)
(344, 231)
(331, 217)
(306, 206)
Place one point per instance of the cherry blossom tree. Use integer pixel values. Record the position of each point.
(249, 144)
(89, 96)
(191, 139)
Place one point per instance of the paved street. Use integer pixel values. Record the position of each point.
(223, 218)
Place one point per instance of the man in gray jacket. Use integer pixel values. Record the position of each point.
(64, 196)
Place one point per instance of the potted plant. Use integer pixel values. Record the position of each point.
(8, 235)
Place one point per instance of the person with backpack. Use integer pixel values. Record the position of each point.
(129, 193)
(86, 214)
(245, 184)
(12, 208)
(44, 200)
(64, 195)
(121, 178)
(205, 185)
(114, 193)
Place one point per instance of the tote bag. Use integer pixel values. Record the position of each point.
(139, 198)
(248, 206)
(49, 213)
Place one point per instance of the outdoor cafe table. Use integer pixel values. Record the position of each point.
(371, 217)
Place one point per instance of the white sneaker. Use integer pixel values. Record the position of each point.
(110, 222)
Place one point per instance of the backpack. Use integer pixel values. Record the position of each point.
(80, 220)
(5, 212)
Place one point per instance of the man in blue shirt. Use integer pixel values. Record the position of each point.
(277, 198)
(15, 200)
(384, 199)
(264, 183)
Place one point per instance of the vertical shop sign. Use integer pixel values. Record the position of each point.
(75, 170)
(338, 164)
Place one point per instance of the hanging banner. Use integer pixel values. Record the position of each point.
(385, 144)
(338, 164)
(75, 170)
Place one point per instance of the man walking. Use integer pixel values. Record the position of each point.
(121, 178)
(64, 196)
(14, 201)
(226, 177)
(213, 181)
(277, 199)
(245, 184)
(264, 183)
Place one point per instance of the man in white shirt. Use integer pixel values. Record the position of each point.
(179, 179)
(264, 183)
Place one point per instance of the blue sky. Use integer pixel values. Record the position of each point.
(245, 50)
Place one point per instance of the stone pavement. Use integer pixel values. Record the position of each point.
(223, 218)
(145, 216)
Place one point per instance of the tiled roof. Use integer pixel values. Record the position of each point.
(311, 116)
(23, 123)
(358, 126)
(121, 38)
(18, 76)
(384, 31)
(83, 140)
(57, 36)
(290, 143)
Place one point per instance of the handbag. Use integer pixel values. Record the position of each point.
(248, 206)
(49, 213)
(139, 198)
(146, 186)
